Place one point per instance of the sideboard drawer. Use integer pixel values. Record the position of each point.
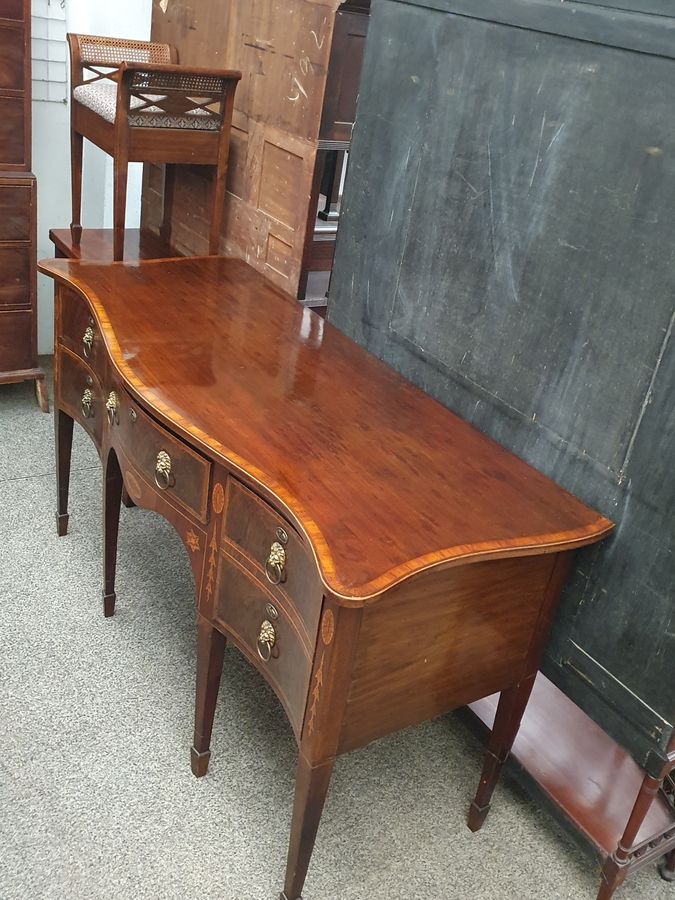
(78, 330)
(165, 461)
(264, 631)
(258, 530)
(80, 394)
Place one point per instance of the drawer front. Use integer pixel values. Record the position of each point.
(16, 341)
(80, 394)
(79, 332)
(264, 632)
(15, 202)
(15, 283)
(11, 58)
(12, 145)
(166, 462)
(255, 528)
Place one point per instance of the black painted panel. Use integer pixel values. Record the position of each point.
(507, 242)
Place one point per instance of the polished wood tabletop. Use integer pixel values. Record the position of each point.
(382, 479)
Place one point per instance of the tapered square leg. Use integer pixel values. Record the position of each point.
(112, 497)
(210, 652)
(63, 443)
(311, 787)
(510, 709)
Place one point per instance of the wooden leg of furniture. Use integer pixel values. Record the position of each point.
(76, 142)
(667, 867)
(219, 178)
(167, 211)
(512, 703)
(112, 496)
(616, 867)
(63, 433)
(41, 393)
(311, 787)
(121, 167)
(210, 651)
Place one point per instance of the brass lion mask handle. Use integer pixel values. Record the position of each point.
(164, 478)
(87, 403)
(275, 562)
(267, 639)
(87, 341)
(112, 405)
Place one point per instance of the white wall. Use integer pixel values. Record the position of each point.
(51, 152)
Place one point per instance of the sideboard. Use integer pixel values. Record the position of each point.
(377, 560)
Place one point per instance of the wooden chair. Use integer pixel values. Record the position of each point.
(135, 102)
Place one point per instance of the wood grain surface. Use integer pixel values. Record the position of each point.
(364, 462)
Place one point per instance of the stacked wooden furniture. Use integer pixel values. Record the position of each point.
(514, 191)
(380, 580)
(18, 204)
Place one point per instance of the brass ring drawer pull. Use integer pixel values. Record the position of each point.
(112, 405)
(275, 562)
(87, 341)
(87, 403)
(164, 478)
(266, 640)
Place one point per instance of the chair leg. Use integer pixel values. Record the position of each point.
(120, 169)
(76, 142)
(167, 210)
(216, 212)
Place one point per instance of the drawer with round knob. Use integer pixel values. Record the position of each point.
(167, 463)
(279, 554)
(266, 632)
(80, 394)
(79, 332)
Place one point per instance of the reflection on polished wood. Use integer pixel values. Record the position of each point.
(378, 560)
(97, 243)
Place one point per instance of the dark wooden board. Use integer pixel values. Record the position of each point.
(512, 253)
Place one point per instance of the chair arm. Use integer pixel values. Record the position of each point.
(175, 69)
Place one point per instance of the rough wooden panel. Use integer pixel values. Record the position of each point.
(282, 49)
(519, 268)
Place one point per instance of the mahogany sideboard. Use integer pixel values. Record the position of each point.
(377, 559)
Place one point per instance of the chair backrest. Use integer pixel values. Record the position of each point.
(110, 51)
(95, 57)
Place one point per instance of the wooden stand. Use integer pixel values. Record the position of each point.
(97, 243)
(596, 785)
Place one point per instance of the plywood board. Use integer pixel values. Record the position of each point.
(282, 48)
